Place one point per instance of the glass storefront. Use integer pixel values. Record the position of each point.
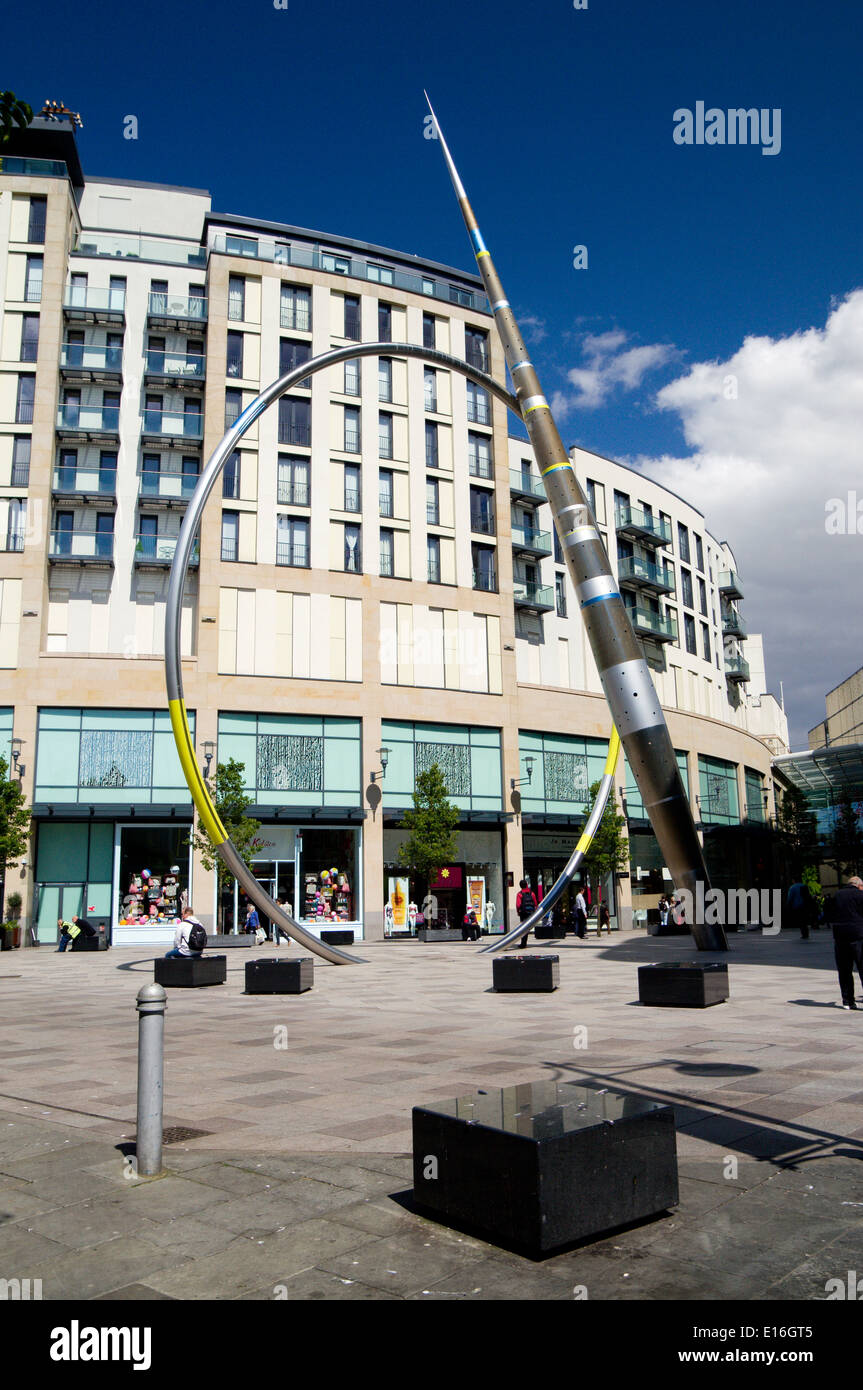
(153, 883)
(475, 875)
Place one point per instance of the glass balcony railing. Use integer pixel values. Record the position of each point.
(91, 357)
(537, 542)
(732, 623)
(736, 669)
(159, 550)
(99, 482)
(537, 596)
(177, 307)
(635, 521)
(107, 304)
(526, 485)
(135, 248)
(81, 545)
(177, 366)
(661, 627)
(34, 168)
(632, 569)
(168, 486)
(729, 584)
(172, 424)
(91, 419)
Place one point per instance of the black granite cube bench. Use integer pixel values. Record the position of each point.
(230, 940)
(280, 976)
(191, 971)
(435, 935)
(338, 938)
(538, 1166)
(90, 943)
(683, 984)
(535, 974)
(553, 933)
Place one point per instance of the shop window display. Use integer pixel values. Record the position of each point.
(154, 876)
(328, 876)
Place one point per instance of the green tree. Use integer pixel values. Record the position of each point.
(432, 822)
(843, 847)
(229, 795)
(14, 821)
(13, 112)
(608, 852)
(797, 829)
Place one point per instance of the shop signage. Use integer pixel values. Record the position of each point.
(561, 845)
(450, 877)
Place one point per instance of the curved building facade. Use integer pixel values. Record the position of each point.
(376, 587)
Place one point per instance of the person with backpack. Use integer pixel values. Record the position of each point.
(470, 925)
(525, 904)
(190, 939)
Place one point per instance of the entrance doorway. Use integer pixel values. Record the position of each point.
(64, 900)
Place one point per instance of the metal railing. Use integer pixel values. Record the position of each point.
(295, 432)
(20, 475)
(432, 455)
(230, 549)
(24, 413)
(188, 425)
(81, 545)
(487, 581)
(168, 485)
(434, 573)
(160, 549)
(478, 411)
(91, 357)
(532, 595)
(115, 246)
(385, 445)
(352, 500)
(185, 366)
(480, 467)
(432, 514)
(352, 442)
(291, 494)
(387, 564)
(14, 542)
(631, 518)
(294, 555)
(482, 524)
(299, 318)
(102, 481)
(100, 419)
(176, 306)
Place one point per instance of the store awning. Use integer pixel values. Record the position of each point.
(825, 775)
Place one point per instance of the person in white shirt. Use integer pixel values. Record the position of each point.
(181, 936)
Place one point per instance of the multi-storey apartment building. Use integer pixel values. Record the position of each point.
(376, 585)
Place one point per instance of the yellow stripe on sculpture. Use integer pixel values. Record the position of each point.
(197, 786)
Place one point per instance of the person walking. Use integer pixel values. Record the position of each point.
(252, 921)
(604, 918)
(580, 915)
(798, 909)
(846, 918)
(525, 904)
(663, 911)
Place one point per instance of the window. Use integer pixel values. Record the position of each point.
(236, 297)
(482, 511)
(590, 490)
(385, 323)
(381, 273)
(337, 265)
(295, 421)
(235, 354)
(33, 281)
(385, 492)
(292, 542)
(430, 380)
(231, 477)
(107, 471)
(197, 305)
(686, 587)
(352, 318)
(294, 352)
(104, 535)
(191, 473)
(29, 337)
(233, 406)
(429, 331)
(478, 407)
(479, 455)
(352, 377)
(683, 541)
(296, 308)
(151, 465)
(705, 641)
(702, 597)
(558, 549)
(192, 418)
(230, 536)
(385, 435)
(117, 292)
(21, 461)
(158, 296)
(241, 246)
(148, 536)
(352, 429)
(689, 628)
(16, 524)
(62, 533)
(387, 554)
(25, 400)
(352, 487)
(460, 296)
(353, 553)
(432, 502)
(432, 452)
(699, 553)
(77, 290)
(293, 484)
(476, 348)
(484, 576)
(433, 553)
(560, 594)
(36, 222)
(385, 379)
(71, 408)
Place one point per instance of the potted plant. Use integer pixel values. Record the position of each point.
(13, 926)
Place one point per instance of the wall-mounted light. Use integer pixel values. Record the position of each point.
(528, 765)
(209, 754)
(15, 749)
(208, 620)
(384, 755)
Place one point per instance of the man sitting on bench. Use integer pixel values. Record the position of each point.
(189, 938)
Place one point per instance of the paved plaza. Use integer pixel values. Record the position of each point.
(297, 1180)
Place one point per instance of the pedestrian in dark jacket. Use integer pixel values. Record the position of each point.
(846, 918)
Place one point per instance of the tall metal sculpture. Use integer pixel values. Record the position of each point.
(624, 673)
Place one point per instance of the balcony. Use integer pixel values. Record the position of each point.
(300, 432)
(352, 500)
(479, 467)
(166, 489)
(732, 623)
(171, 429)
(80, 548)
(485, 580)
(174, 311)
(530, 542)
(478, 412)
(657, 626)
(736, 669)
(537, 598)
(135, 248)
(83, 305)
(642, 526)
(88, 422)
(87, 363)
(636, 573)
(34, 168)
(387, 569)
(180, 370)
(293, 495)
(526, 485)
(385, 445)
(482, 523)
(729, 584)
(157, 552)
(296, 556)
(86, 484)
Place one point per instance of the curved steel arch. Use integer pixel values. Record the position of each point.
(173, 662)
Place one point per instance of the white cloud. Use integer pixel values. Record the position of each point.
(608, 367)
(775, 433)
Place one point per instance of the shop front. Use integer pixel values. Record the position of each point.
(475, 876)
(315, 870)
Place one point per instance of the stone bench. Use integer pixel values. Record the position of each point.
(683, 984)
(434, 934)
(538, 1166)
(191, 971)
(338, 938)
(533, 974)
(90, 943)
(220, 941)
(544, 933)
(280, 976)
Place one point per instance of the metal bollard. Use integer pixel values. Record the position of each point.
(151, 1004)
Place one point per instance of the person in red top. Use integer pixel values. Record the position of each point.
(525, 904)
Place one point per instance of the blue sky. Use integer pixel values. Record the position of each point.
(561, 123)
